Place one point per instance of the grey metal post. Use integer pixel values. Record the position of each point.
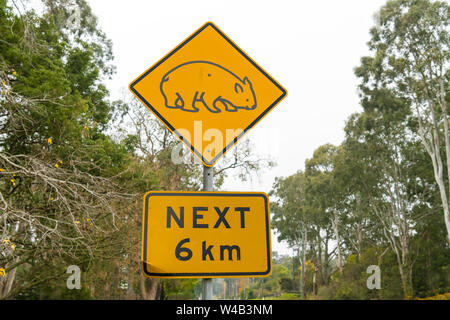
(208, 178)
(207, 186)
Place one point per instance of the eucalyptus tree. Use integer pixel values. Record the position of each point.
(291, 216)
(382, 139)
(411, 58)
(325, 193)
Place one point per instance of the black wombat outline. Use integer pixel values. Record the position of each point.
(179, 102)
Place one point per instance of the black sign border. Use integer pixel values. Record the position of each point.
(171, 128)
(205, 274)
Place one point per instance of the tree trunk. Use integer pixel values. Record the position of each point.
(445, 202)
(433, 148)
(335, 224)
(150, 293)
(406, 284)
(325, 264)
(8, 283)
(359, 231)
(302, 263)
(314, 282)
(447, 220)
(319, 256)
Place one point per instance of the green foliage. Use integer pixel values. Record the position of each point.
(74, 167)
(377, 196)
(181, 289)
(62, 175)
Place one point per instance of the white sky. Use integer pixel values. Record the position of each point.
(309, 47)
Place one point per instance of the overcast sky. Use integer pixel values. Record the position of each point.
(309, 47)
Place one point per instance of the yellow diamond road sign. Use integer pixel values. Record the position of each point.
(206, 235)
(208, 92)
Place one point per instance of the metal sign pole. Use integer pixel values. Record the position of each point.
(207, 186)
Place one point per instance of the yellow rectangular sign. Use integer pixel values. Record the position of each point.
(206, 235)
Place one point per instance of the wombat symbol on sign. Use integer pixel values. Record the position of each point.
(194, 84)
